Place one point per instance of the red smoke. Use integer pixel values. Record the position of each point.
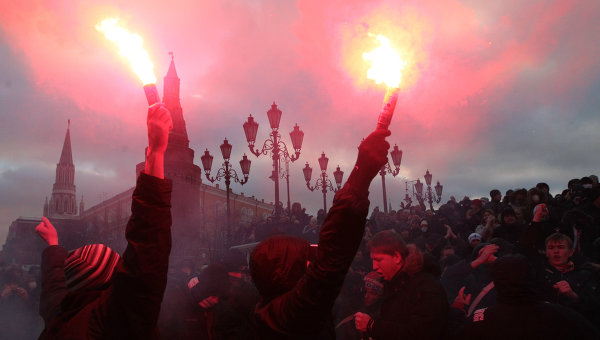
(235, 58)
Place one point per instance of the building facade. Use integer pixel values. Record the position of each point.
(198, 210)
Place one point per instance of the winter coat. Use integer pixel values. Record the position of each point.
(297, 301)
(413, 307)
(528, 321)
(129, 307)
(582, 283)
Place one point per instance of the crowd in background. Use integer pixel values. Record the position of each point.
(458, 241)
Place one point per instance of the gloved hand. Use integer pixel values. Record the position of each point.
(372, 155)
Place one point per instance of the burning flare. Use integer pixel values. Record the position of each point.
(130, 46)
(386, 67)
(386, 64)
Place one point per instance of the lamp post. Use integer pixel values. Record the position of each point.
(285, 174)
(323, 182)
(274, 144)
(397, 160)
(429, 195)
(228, 173)
(407, 197)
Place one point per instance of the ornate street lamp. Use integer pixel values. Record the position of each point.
(274, 144)
(429, 195)
(228, 173)
(323, 181)
(397, 160)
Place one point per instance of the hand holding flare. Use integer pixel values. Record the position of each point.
(130, 45)
(386, 67)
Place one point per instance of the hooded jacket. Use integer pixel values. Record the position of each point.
(519, 314)
(296, 300)
(129, 307)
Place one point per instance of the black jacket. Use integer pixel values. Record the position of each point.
(528, 321)
(414, 307)
(129, 308)
(303, 310)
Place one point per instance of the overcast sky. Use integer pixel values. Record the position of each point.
(497, 94)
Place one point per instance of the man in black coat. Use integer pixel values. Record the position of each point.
(414, 303)
(92, 293)
(519, 314)
(296, 299)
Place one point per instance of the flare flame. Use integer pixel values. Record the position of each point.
(386, 64)
(131, 46)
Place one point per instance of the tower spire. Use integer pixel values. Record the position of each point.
(63, 200)
(172, 73)
(178, 135)
(66, 157)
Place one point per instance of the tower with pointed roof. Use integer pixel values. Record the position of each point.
(63, 202)
(178, 136)
(180, 168)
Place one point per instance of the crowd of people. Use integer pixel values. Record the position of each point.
(458, 245)
(526, 264)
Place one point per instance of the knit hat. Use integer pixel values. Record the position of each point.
(474, 236)
(90, 267)
(373, 281)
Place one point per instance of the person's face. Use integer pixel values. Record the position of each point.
(518, 215)
(486, 214)
(558, 252)
(387, 265)
(371, 296)
(519, 199)
(510, 219)
(497, 198)
(475, 242)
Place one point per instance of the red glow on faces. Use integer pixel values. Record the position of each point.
(386, 265)
(558, 253)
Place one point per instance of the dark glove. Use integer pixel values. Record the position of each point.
(372, 155)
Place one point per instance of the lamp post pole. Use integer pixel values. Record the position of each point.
(275, 145)
(286, 175)
(323, 181)
(228, 173)
(386, 168)
(407, 197)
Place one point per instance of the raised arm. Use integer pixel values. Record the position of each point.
(305, 308)
(140, 278)
(54, 286)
